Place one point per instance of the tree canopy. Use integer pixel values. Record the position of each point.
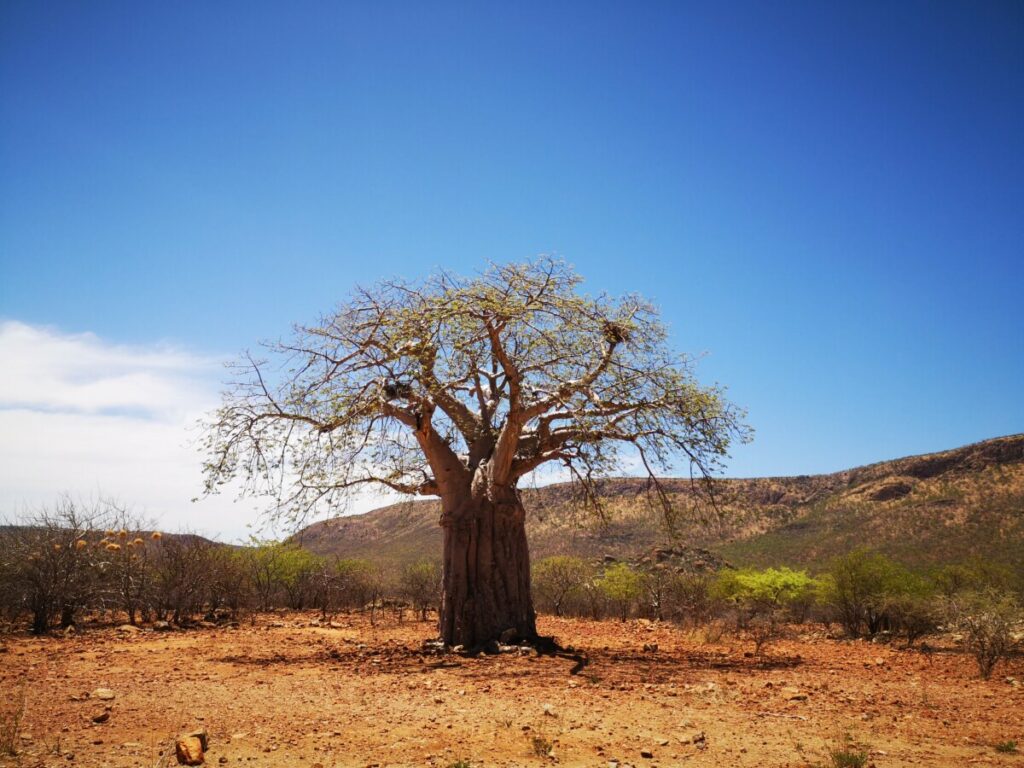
(431, 388)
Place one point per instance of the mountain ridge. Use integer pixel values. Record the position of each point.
(970, 499)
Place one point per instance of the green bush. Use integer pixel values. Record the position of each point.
(558, 580)
(869, 593)
(763, 598)
(622, 586)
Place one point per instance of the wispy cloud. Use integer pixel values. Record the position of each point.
(82, 415)
(79, 373)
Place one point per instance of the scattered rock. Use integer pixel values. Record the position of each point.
(189, 750)
(492, 647)
(162, 626)
(509, 636)
(202, 735)
(650, 647)
(697, 737)
(548, 710)
(128, 629)
(103, 694)
(647, 753)
(102, 717)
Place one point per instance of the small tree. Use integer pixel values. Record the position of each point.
(128, 562)
(858, 586)
(53, 557)
(763, 597)
(298, 568)
(559, 578)
(622, 586)
(420, 584)
(459, 388)
(181, 567)
(355, 582)
(986, 620)
(689, 598)
(227, 583)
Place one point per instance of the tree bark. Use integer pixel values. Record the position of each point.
(486, 577)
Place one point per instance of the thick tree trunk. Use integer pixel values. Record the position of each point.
(486, 578)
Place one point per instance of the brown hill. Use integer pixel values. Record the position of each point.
(928, 509)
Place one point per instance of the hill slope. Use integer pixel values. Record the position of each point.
(928, 509)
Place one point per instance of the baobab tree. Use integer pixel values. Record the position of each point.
(458, 388)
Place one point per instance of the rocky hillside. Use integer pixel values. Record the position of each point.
(923, 510)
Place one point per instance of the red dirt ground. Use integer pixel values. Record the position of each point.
(286, 692)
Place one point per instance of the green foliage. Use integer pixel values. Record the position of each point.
(1007, 747)
(848, 758)
(867, 590)
(775, 587)
(559, 579)
(622, 586)
(420, 584)
(974, 575)
(762, 597)
(280, 572)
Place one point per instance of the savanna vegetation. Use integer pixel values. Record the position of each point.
(70, 563)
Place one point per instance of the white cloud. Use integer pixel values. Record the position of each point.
(87, 417)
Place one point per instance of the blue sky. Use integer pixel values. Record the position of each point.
(827, 198)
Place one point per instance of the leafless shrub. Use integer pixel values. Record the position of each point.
(986, 621)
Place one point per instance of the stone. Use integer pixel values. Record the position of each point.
(189, 750)
(102, 717)
(492, 647)
(128, 629)
(202, 735)
(647, 753)
(509, 636)
(548, 710)
(103, 694)
(162, 626)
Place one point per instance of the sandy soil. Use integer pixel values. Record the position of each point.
(286, 692)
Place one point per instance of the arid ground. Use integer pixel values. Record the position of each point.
(287, 691)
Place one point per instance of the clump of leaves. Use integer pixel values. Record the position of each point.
(541, 746)
(846, 753)
(848, 758)
(1007, 747)
(461, 764)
